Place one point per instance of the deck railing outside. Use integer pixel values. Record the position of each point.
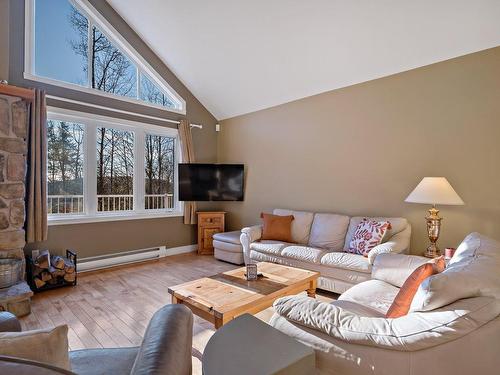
(66, 204)
(158, 201)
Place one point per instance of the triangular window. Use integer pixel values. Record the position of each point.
(72, 45)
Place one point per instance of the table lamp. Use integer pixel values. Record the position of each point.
(434, 190)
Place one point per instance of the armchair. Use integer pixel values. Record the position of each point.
(165, 349)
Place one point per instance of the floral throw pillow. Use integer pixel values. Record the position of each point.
(368, 234)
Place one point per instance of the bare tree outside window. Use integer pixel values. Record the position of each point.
(149, 92)
(71, 47)
(111, 71)
(159, 171)
(65, 167)
(115, 169)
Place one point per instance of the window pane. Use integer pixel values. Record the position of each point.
(65, 167)
(115, 169)
(60, 42)
(159, 172)
(112, 70)
(153, 94)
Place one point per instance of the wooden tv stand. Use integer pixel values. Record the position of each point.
(209, 223)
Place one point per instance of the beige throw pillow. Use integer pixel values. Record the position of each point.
(43, 345)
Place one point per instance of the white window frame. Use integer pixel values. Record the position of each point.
(95, 18)
(91, 122)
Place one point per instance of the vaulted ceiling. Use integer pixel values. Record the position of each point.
(240, 56)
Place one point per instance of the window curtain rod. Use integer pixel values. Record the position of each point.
(119, 111)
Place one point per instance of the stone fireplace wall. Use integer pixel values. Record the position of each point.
(13, 150)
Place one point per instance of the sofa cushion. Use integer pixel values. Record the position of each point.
(476, 245)
(230, 237)
(346, 261)
(357, 308)
(42, 345)
(395, 268)
(301, 225)
(347, 277)
(303, 253)
(398, 224)
(269, 246)
(328, 231)
(375, 294)
(473, 271)
(19, 366)
(111, 361)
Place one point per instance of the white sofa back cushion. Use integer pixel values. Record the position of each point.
(301, 224)
(328, 231)
(398, 224)
(395, 268)
(475, 271)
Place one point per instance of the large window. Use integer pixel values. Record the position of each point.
(100, 168)
(69, 44)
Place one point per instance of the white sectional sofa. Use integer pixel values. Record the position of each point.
(320, 241)
(453, 326)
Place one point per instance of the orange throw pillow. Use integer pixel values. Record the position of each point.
(401, 304)
(278, 228)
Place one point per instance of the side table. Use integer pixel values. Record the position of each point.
(209, 223)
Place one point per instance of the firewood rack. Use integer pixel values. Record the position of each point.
(31, 269)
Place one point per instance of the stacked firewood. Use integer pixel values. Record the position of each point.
(52, 270)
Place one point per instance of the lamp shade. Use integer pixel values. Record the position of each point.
(434, 190)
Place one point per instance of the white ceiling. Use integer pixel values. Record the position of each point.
(240, 56)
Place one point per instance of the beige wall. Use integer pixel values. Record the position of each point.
(360, 150)
(110, 237)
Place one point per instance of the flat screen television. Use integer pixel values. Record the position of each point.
(210, 182)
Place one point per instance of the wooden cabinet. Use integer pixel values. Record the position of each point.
(209, 223)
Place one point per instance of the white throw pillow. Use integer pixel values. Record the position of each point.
(474, 272)
(49, 346)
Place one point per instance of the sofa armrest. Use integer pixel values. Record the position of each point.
(412, 332)
(9, 322)
(399, 243)
(249, 235)
(166, 347)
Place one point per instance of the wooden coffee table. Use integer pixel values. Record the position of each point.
(223, 297)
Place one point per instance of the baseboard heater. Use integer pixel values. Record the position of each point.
(128, 257)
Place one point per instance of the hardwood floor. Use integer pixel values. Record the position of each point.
(111, 308)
